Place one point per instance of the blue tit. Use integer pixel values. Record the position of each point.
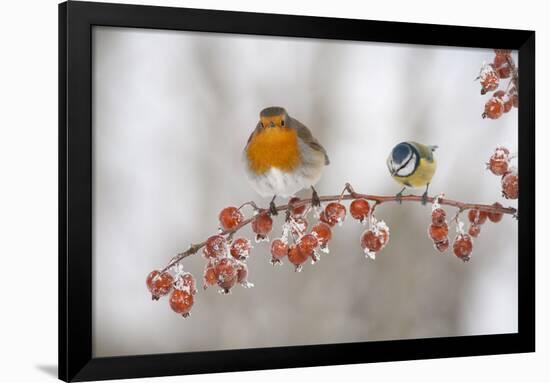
(412, 165)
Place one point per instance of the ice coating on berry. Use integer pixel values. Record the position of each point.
(510, 185)
(375, 239)
(323, 233)
(488, 78)
(494, 108)
(240, 248)
(298, 226)
(474, 230)
(159, 284)
(359, 209)
(226, 273)
(262, 225)
(462, 246)
(296, 257)
(335, 213)
(215, 247)
(438, 232)
(307, 244)
(279, 250)
(181, 301)
(438, 216)
(230, 217)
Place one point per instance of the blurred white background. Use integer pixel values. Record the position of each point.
(172, 112)
(28, 198)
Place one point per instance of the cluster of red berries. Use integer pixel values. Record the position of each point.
(463, 242)
(299, 245)
(489, 77)
(181, 288)
(499, 165)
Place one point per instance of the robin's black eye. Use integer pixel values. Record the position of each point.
(282, 122)
(261, 125)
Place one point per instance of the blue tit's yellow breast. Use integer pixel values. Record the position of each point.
(421, 176)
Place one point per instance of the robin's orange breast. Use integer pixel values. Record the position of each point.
(273, 147)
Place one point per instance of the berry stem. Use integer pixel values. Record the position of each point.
(378, 200)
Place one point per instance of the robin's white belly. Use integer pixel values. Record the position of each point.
(284, 184)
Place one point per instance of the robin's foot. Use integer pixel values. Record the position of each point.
(399, 196)
(273, 207)
(315, 201)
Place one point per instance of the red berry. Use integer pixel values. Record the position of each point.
(226, 273)
(510, 186)
(296, 211)
(181, 301)
(240, 248)
(323, 218)
(230, 217)
(438, 216)
(504, 71)
(488, 78)
(159, 284)
(322, 232)
(209, 276)
(279, 249)
(474, 230)
(262, 225)
(186, 281)
(359, 209)
(298, 226)
(296, 257)
(462, 246)
(371, 241)
(493, 108)
(499, 161)
(495, 217)
(307, 244)
(438, 232)
(335, 213)
(501, 57)
(215, 247)
(242, 273)
(499, 94)
(477, 217)
(442, 246)
(498, 166)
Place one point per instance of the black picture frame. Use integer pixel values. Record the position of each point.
(76, 20)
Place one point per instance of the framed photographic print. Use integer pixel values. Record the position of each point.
(249, 191)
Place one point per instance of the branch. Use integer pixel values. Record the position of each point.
(351, 194)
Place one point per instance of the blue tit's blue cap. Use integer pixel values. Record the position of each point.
(401, 152)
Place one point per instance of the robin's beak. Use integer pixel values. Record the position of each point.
(271, 124)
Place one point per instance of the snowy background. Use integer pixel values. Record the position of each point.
(172, 112)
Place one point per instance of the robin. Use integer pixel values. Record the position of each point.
(282, 156)
(412, 165)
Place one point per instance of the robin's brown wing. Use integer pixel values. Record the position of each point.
(307, 137)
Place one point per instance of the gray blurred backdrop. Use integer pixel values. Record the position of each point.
(172, 113)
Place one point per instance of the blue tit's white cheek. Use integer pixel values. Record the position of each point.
(408, 169)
